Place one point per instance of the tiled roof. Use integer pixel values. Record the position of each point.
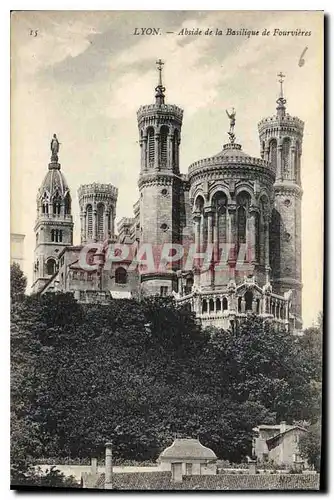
(188, 448)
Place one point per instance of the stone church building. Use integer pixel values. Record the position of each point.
(243, 213)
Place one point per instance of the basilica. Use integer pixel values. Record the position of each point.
(239, 214)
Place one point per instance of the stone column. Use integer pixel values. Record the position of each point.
(231, 238)
(93, 465)
(251, 237)
(156, 150)
(105, 229)
(293, 161)
(216, 238)
(197, 219)
(202, 242)
(82, 225)
(94, 223)
(266, 151)
(142, 154)
(243, 305)
(279, 160)
(210, 228)
(108, 467)
(170, 152)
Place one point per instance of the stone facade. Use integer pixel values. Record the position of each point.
(237, 219)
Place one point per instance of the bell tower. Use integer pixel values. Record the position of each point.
(160, 183)
(54, 226)
(281, 139)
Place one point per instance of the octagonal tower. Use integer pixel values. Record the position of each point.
(160, 183)
(97, 211)
(281, 138)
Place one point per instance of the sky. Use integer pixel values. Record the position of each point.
(85, 75)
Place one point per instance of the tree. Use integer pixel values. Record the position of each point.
(310, 445)
(138, 373)
(18, 282)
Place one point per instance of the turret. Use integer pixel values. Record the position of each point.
(281, 138)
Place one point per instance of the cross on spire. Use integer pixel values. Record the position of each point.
(160, 64)
(281, 80)
(281, 101)
(160, 89)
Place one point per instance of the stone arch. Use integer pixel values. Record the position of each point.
(219, 188)
(218, 304)
(245, 188)
(199, 203)
(225, 304)
(121, 276)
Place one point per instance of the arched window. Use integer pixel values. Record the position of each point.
(273, 153)
(225, 304)
(121, 276)
(150, 145)
(67, 204)
(218, 305)
(163, 144)
(204, 306)
(60, 236)
(53, 235)
(199, 204)
(51, 266)
(219, 204)
(243, 203)
(286, 158)
(56, 204)
(249, 300)
(100, 220)
(89, 218)
(211, 305)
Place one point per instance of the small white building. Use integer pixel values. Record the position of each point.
(191, 457)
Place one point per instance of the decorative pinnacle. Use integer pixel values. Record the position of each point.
(281, 101)
(160, 89)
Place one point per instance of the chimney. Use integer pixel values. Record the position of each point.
(282, 426)
(108, 467)
(177, 472)
(93, 466)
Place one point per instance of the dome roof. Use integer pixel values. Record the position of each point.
(188, 448)
(53, 182)
(232, 150)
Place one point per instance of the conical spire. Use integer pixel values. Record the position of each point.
(160, 89)
(281, 101)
